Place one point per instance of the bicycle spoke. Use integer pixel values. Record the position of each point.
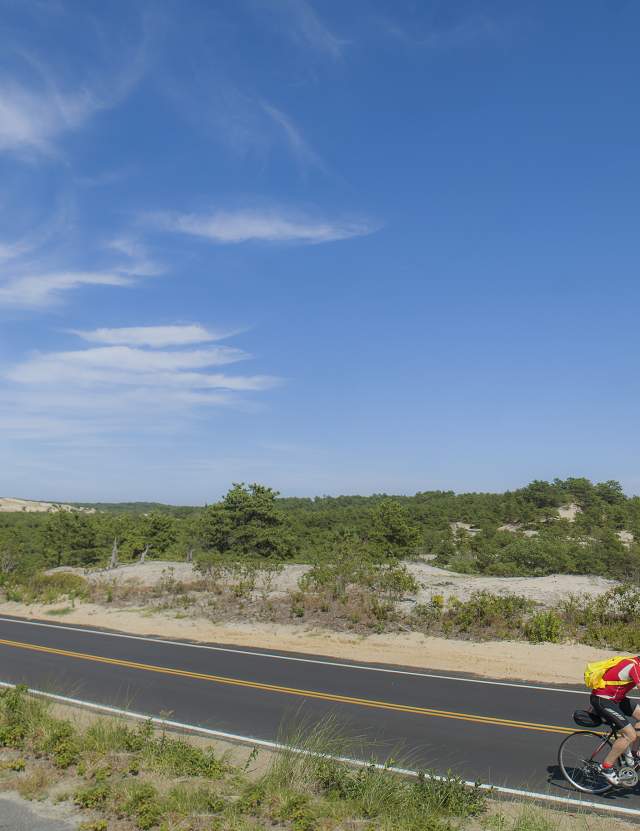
(579, 757)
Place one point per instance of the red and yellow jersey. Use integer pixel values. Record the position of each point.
(626, 670)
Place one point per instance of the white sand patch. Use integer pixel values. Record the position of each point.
(548, 590)
(456, 527)
(9, 504)
(513, 528)
(569, 512)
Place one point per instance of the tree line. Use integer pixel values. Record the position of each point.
(465, 532)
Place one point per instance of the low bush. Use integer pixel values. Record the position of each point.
(46, 588)
(487, 614)
(545, 627)
(608, 621)
(179, 758)
(350, 586)
(141, 801)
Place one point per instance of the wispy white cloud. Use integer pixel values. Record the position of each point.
(30, 119)
(123, 360)
(9, 251)
(155, 336)
(40, 102)
(263, 226)
(139, 262)
(299, 146)
(102, 390)
(24, 284)
(465, 30)
(304, 26)
(245, 122)
(40, 290)
(36, 236)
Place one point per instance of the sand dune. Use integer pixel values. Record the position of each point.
(10, 504)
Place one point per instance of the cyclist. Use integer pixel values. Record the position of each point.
(610, 702)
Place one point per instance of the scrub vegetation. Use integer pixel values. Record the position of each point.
(356, 552)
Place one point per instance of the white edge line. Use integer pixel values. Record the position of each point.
(255, 654)
(219, 734)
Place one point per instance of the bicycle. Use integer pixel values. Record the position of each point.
(581, 753)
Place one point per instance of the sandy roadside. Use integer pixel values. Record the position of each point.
(546, 663)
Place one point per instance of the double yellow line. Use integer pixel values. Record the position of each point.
(277, 688)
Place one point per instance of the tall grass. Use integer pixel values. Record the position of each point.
(311, 765)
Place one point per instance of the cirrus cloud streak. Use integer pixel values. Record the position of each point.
(238, 226)
(156, 336)
(39, 290)
(102, 389)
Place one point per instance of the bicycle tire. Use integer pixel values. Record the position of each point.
(569, 770)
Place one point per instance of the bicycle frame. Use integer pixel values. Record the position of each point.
(612, 734)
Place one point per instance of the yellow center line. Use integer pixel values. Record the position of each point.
(277, 688)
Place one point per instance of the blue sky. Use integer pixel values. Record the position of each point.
(333, 247)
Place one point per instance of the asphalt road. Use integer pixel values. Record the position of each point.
(17, 814)
(497, 733)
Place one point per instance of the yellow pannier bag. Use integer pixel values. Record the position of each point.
(596, 669)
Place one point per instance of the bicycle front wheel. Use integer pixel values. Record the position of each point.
(580, 756)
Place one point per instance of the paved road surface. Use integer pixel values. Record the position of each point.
(19, 815)
(497, 733)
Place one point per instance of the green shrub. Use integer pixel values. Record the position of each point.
(179, 758)
(20, 716)
(47, 588)
(107, 735)
(340, 572)
(95, 825)
(62, 743)
(426, 615)
(545, 627)
(295, 809)
(141, 801)
(185, 799)
(16, 765)
(449, 795)
(251, 799)
(486, 613)
(93, 796)
(620, 636)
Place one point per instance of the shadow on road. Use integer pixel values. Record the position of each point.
(558, 784)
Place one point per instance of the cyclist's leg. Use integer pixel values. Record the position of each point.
(618, 714)
(626, 738)
(634, 712)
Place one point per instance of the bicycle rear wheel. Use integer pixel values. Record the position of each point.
(579, 757)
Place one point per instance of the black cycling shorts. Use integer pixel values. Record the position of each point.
(616, 713)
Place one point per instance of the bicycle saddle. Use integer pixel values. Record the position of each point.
(586, 719)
